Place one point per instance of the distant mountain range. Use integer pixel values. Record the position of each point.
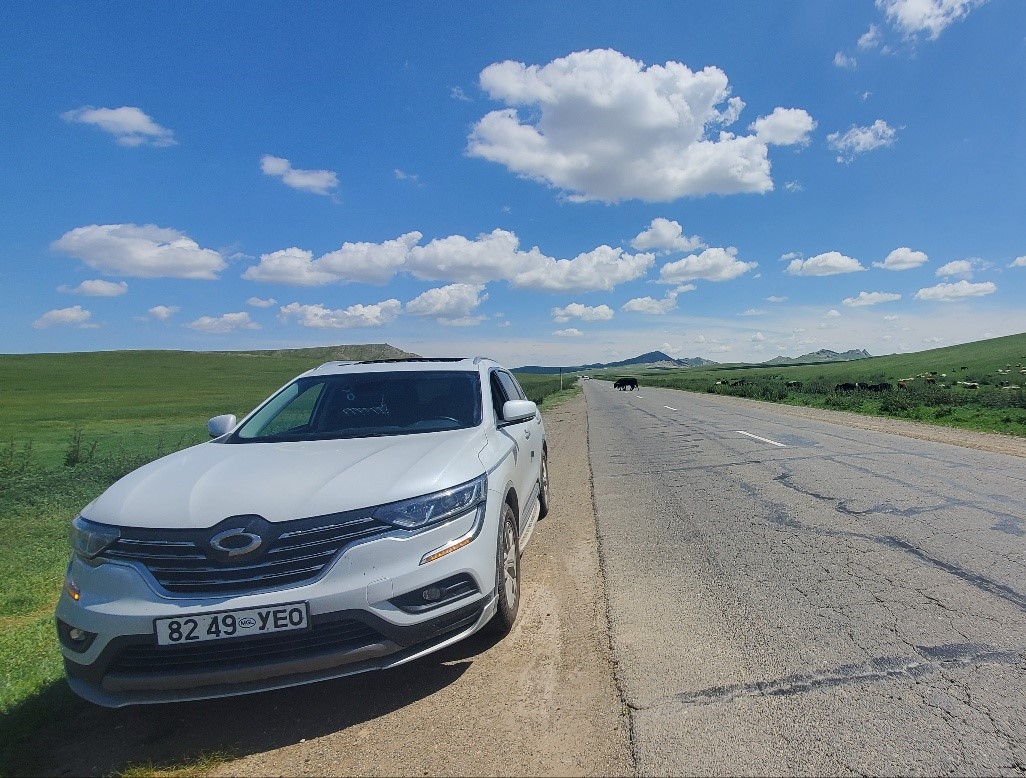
(651, 360)
(656, 360)
(823, 355)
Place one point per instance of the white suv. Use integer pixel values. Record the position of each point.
(365, 515)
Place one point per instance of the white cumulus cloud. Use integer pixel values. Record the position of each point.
(321, 317)
(845, 62)
(946, 293)
(317, 181)
(828, 264)
(228, 322)
(871, 298)
(602, 126)
(259, 302)
(293, 266)
(163, 312)
(582, 312)
(1019, 262)
(665, 236)
(653, 307)
(145, 251)
(570, 332)
(451, 304)
(129, 125)
(929, 17)
(859, 140)
(871, 38)
(959, 268)
(494, 256)
(602, 268)
(96, 288)
(784, 127)
(76, 315)
(372, 263)
(902, 258)
(713, 264)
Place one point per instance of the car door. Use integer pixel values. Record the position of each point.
(525, 436)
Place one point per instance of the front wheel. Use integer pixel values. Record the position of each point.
(543, 483)
(507, 574)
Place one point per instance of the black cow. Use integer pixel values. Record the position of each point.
(623, 384)
(846, 387)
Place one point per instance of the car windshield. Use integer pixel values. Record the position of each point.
(359, 405)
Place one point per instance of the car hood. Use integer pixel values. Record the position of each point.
(200, 486)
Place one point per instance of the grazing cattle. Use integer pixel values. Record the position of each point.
(931, 380)
(794, 384)
(902, 384)
(623, 384)
(881, 387)
(847, 387)
(964, 367)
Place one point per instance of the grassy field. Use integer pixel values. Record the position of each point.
(932, 392)
(72, 424)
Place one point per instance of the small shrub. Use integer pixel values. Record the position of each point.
(78, 453)
(898, 404)
(15, 461)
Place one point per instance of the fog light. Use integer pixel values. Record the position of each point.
(431, 594)
(73, 638)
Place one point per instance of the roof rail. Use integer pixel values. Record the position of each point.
(339, 362)
(408, 359)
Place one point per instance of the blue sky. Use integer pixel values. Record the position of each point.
(544, 183)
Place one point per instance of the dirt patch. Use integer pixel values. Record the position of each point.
(542, 701)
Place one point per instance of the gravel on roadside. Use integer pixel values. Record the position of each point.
(542, 701)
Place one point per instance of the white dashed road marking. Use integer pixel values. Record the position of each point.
(764, 440)
(667, 406)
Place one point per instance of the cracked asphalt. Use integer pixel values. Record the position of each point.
(817, 599)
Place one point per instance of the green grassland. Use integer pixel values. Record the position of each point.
(72, 424)
(932, 393)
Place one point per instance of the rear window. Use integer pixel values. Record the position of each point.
(358, 405)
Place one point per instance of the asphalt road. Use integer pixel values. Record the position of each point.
(790, 596)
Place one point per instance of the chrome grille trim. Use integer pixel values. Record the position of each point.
(294, 553)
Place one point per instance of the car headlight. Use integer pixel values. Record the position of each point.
(434, 508)
(89, 540)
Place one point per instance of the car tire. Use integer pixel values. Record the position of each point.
(543, 484)
(507, 574)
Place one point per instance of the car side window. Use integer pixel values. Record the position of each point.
(510, 386)
(498, 395)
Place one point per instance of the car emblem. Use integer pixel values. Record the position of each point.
(236, 542)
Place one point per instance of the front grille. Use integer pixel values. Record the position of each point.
(233, 654)
(183, 562)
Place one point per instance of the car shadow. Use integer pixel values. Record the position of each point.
(56, 733)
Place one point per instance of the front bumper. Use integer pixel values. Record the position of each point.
(357, 621)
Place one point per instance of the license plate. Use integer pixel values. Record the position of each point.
(227, 625)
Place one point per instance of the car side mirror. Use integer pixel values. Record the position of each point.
(221, 425)
(516, 411)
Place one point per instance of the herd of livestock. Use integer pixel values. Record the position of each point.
(931, 378)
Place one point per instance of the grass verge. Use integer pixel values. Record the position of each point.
(100, 433)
